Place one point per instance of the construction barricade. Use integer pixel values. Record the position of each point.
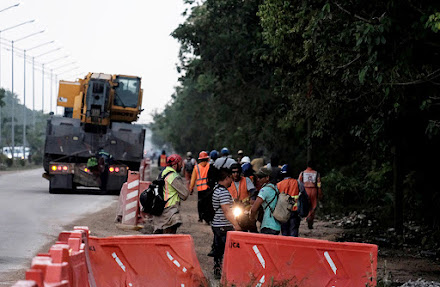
(80, 260)
(155, 260)
(129, 214)
(267, 260)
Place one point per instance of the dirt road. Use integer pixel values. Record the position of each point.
(394, 265)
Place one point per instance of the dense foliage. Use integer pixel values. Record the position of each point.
(365, 75)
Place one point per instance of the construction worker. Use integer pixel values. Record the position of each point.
(291, 187)
(224, 219)
(311, 180)
(162, 161)
(199, 179)
(188, 167)
(224, 161)
(267, 198)
(241, 190)
(213, 155)
(175, 190)
(240, 155)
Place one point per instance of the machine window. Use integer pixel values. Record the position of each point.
(127, 92)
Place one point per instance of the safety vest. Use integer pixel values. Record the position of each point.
(290, 187)
(242, 193)
(309, 177)
(170, 193)
(163, 160)
(202, 177)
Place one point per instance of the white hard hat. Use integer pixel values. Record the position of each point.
(245, 159)
(189, 153)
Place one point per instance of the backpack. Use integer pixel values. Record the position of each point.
(151, 199)
(303, 201)
(283, 208)
(189, 165)
(208, 209)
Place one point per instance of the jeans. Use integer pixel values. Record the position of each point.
(266, 230)
(219, 243)
(291, 227)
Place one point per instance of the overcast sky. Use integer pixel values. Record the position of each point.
(129, 37)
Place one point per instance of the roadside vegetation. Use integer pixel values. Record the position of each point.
(35, 132)
(355, 84)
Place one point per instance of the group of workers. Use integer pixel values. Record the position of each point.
(242, 193)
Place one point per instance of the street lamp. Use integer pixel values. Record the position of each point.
(33, 77)
(4, 30)
(9, 7)
(12, 91)
(51, 79)
(42, 78)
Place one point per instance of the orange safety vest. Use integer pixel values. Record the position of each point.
(202, 177)
(242, 192)
(290, 187)
(163, 160)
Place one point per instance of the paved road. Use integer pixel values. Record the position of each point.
(30, 216)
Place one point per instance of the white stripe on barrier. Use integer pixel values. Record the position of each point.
(175, 262)
(131, 205)
(129, 216)
(132, 194)
(330, 262)
(118, 261)
(133, 184)
(260, 282)
(260, 257)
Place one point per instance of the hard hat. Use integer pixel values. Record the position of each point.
(213, 154)
(203, 155)
(286, 170)
(245, 159)
(189, 154)
(247, 169)
(240, 152)
(225, 151)
(173, 159)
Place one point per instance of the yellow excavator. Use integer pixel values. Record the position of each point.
(95, 142)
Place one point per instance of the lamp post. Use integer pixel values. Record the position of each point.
(51, 79)
(33, 77)
(56, 78)
(42, 77)
(3, 30)
(24, 93)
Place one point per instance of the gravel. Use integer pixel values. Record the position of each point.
(421, 283)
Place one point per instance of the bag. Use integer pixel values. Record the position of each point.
(208, 211)
(213, 177)
(303, 201)
(283, 208)
(189, 165)
(151, 199)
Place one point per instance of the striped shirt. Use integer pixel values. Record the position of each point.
(220, 197)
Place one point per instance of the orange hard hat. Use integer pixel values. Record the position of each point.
(203, 155)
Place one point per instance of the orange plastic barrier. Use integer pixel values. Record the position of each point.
(154, 260)
(130, 211)
(128, 205)
(258, 260)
